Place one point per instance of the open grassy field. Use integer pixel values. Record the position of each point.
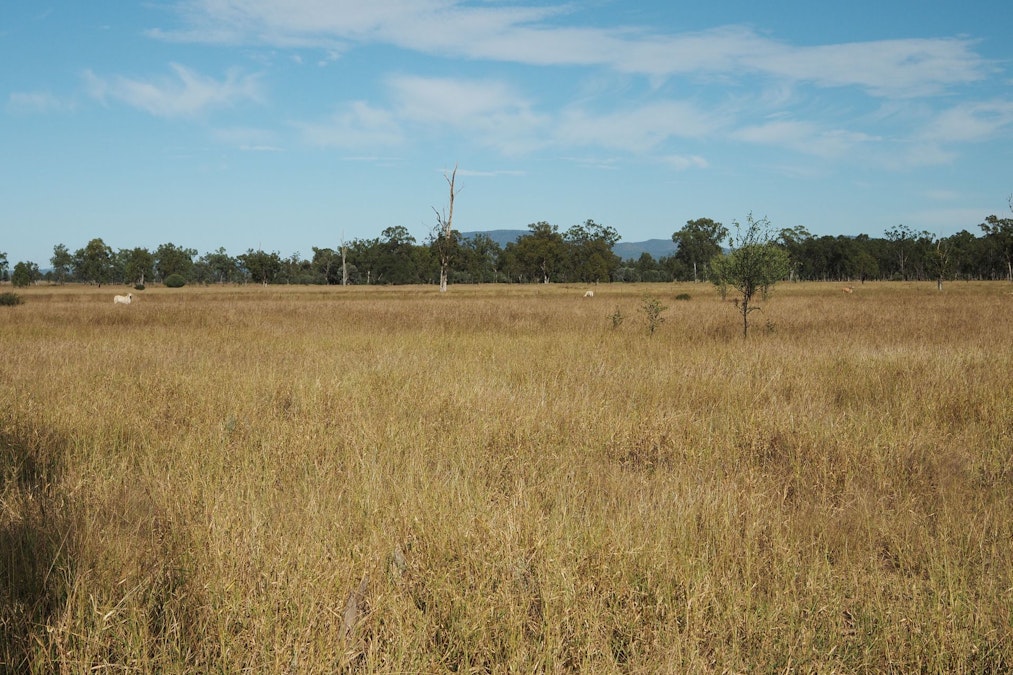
(501, 479)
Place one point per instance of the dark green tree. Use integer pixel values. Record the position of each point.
(999, 237)
(479, 259)
(363, 259)
(699, 241)
(590, 251)
(794, 240)
(62, 262)
(327, 263)
(25, 274)
(296, 270)
(217, 267)
(138, 265)
(171, 259)
(752, 267)
(967, 252)
(539, 255)
(398, 260)
(94, 263)
(909, 247)
(260, 266)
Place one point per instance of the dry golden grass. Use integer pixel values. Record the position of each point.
(308, 480)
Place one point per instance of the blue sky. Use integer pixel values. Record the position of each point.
(285, 125)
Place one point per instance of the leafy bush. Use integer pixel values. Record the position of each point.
(138, 287)
(10, 299)
(175, 281)
(682, 296)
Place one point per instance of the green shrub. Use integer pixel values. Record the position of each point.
(682, 296)
(10, 299)
(175, 281)
(138, 287)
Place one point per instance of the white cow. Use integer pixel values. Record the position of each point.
(123, 299)
(589, 294)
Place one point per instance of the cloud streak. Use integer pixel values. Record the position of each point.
(187, 94)
(533, 36)
(36, 102)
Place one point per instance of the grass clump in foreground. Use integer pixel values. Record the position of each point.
(10, 299)
(390, 480)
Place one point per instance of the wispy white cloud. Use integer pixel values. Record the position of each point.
(806, 137)
(765, 93)
(494, 114)
(685, 162)
(355, 125)
(534, 35)
(187, 94)
(970, 122)
(637, 129)
(32, 102)
(489, 112)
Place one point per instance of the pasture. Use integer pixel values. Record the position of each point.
(507, 479)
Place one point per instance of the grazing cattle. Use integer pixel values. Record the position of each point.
(123, 299)
(589, 294)
(848, 289)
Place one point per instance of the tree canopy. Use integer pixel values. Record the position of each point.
(583, 253)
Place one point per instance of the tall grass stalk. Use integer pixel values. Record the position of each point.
(494, 479)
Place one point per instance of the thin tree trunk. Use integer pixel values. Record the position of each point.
(745, 317)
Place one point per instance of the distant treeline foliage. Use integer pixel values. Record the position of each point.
(581, 254)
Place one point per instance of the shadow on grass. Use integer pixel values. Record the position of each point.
(36, 544)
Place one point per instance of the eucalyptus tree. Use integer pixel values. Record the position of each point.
(171, 259)
(910, 247)
(999, 235)
(540, 254)
(61, 263)
(327, 262)
(138, 264)
(590, 251)
(699, 241)
(25, 274)
(218, 267)
(260, 266)
(94, 263)
(480, 258)
(397, 261)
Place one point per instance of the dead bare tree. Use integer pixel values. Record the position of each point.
(344, 264)
(444, 236)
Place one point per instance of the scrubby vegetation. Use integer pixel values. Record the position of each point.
(496, 479)
(10, 299)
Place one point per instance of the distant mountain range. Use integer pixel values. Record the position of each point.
(627, 250)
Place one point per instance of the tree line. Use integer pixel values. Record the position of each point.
(581, 254)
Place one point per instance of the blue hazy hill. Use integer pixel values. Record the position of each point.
(627, 250)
